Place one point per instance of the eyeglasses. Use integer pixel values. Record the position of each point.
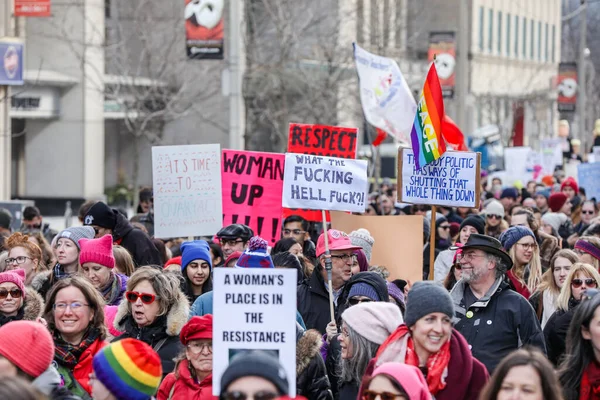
(528, 246)
(18, 260)
(444, 226)
(372, 395)
(197, 348)
(262, 395)
(343, 257)
(492, 216)
(464, 258)
(354, 301)
(146, 298)
(287, 232)
(576, 283)
(14, 293)
(590, 212)
(230, 242)
(75, 306)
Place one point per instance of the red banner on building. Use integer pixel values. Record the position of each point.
(32, 8)
(442, 45)
(320, 140)
(204, 28)
(567, 86)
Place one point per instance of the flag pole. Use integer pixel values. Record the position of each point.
(328, 266)
(432, 243)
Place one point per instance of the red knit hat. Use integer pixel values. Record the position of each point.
(28, 345)
(173, 261)
(99, 251)
(16, 276)
(570, 182)
(197, 328)
(556, 201)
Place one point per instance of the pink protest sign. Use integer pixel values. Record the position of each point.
(252, 186)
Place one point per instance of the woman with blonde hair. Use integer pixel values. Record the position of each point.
(543, 300)
(526, 272)
(581, 277)
(123, 261)
(23, 254)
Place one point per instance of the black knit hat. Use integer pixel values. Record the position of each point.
(256, 363)
(101, 215)
(476, 222)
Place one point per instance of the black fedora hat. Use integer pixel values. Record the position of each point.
(489, 245)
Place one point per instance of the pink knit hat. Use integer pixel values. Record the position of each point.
(99, 251)
(16, 276)
(410, 378)
(110, 312)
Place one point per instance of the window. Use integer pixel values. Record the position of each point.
(546, 42)
(516, 36)
(397, 24)
(508, 19)
(531, 39)
(553, 43)
(360, 22)
(374, 23)
(499, 32)
(106, 8)
(481, 16)
(386, 23)
(524, 37)
(539, 49)
(491, 31)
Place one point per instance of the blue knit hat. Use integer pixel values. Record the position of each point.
(513, 234)
(256, 255)
(363, 289)
(195, 250)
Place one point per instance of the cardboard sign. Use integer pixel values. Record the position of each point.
(252, 184)
(257, 310)
(322, 140)
(390, 232)
(187, 190)
(325, 183)
(588, 175)
(452, 180)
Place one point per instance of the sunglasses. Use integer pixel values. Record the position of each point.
(576, 283)
(492, 216)
(445, 227)
(262, 395)
(14, 293)
(146, 298)
(354, 301)
(590, 212)
(372, 395)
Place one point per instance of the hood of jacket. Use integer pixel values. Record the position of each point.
(307, 347)
(171, 323)
(184, 376)
(122, 228)
(458, 292)
(33, 307)
(48, 381)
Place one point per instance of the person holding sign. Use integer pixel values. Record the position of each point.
(234, 237)
(196, 267)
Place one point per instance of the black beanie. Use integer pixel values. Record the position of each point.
(256, 363)
(476, 222)
(101, 215)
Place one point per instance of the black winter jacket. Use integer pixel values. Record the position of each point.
(313, 302)
(311, 377)
(555, 332)
(497, 324)
(138, 244)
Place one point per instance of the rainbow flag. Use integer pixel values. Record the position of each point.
(426, 135)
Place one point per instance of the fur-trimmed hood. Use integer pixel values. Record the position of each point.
(307, 347)
(40, 279)
(176, 317)
(33, 307)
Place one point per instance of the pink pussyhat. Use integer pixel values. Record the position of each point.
(110, 312)
(99, 251)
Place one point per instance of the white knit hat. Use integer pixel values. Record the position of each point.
(494, 207)
(555, 220)
(374, 321)
(362, 237)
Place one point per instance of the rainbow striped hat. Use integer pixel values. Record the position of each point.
(129, 369)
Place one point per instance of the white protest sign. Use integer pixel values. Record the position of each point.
(256, 311)
(519, 165)
(187, 190)
(552, 155)
(324, 183)
(451, 180)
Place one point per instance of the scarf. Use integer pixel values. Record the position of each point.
(519, 287)
(112, 291)
(590, 382)
(548, 300)
(400, 343)
(18, 317)
(59, 272)
(67, 354)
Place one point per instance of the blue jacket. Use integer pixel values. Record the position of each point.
(204, 305)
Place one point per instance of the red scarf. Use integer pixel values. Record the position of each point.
(590, 383)
(436, 364)
(519, 287)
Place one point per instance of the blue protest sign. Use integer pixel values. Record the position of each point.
(587, 175)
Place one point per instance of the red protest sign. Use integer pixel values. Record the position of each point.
(32, 8)
(252, 186)
(320, 140)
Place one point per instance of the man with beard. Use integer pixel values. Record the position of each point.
(494, 319)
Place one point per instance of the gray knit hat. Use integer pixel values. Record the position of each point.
(362, 237)
(75, 233)
(427, 297)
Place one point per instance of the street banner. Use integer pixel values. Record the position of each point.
(451, 181)
(32, 8)
(387, 102)
(388, 231)
(325, 183)
(588, 175)
(204, 31)
(187, 190)
(442, 51)
(257, 311)
(11, 53)
(252, 185)
(567, 86)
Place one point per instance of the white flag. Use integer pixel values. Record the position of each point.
(387, 101)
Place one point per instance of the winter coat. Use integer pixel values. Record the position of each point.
(313, 302)
(549, 245)
(138, 244)
(49, 383)
(311, 375)
(163, 332)
(498, 323)
(42, 282)
(185, 387)
(32, 309)
(81, 372)
(466, 378)
(555, 332)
